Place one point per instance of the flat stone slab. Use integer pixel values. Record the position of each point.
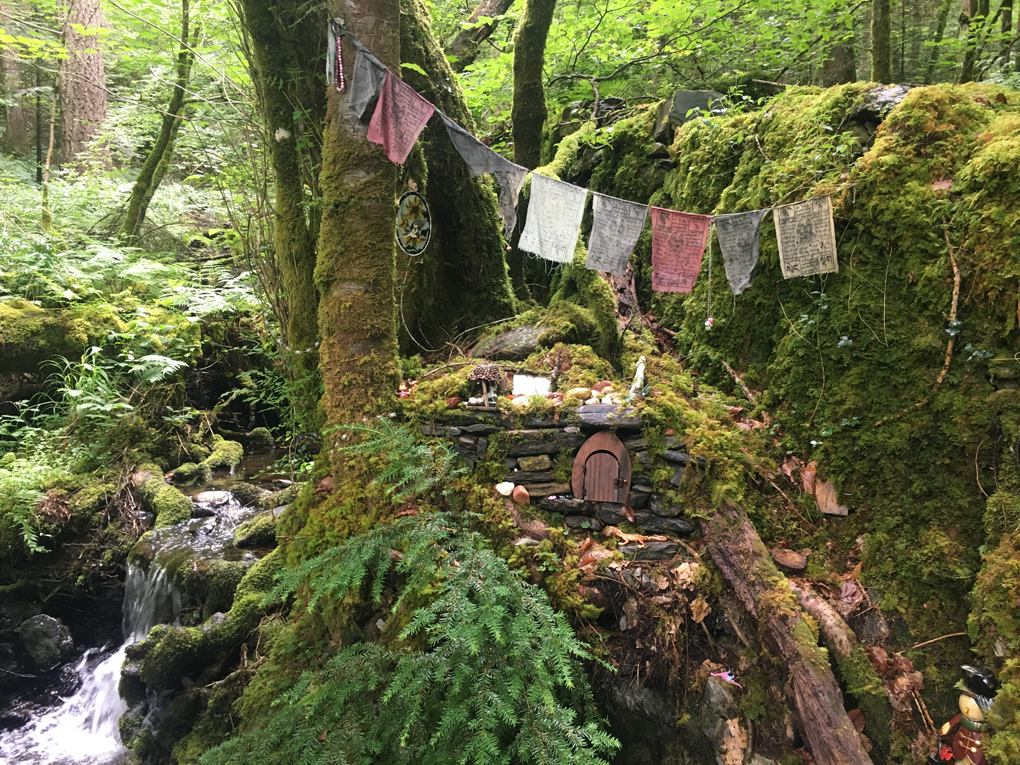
(523, 443)
(512, 345)
(529, 477)
(650, 550)
(564, 506)
(603, 416)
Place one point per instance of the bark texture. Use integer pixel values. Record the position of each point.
(764, 593)
(940, 32)
(285, 39)
(354, 271)
(151, 173)
(972, 27)
(462, 280)
(881, 41)
(464, 46)
(839, 66)
(528, 111)
(82, 78)
(1006, 32)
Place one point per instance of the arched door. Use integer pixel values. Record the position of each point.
(602, 470)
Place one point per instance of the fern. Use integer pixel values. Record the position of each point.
(411, 469)
(496, 677)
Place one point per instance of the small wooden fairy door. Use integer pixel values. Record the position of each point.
(602, 470)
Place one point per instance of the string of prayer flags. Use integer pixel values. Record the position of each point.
(481, 159)
(615, 229)
(807, 238)
(366, 80)
(678, 244)
(738, 239)
(554, 219)
(399, 118)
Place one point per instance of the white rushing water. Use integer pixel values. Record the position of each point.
(83, 729)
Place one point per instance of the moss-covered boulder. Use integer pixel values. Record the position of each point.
(169, 505)
(260, 531)
(225, 455)
(189, 474)
(30, 335)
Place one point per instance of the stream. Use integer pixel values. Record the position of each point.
(82, 728)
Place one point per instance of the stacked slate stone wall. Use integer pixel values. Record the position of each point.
(539, 450)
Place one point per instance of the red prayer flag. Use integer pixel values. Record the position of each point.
(399, 118)
(678, 242)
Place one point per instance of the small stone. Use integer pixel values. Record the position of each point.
(526, 542)
(601, 386)
(788, 560)
(452, 401)
(46, 639)
(505, 489)
(520, 403)
(591, 400)
(579, 393)
(520, 495)
(536, 463)
(571, 429)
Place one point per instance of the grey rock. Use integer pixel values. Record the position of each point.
(482, 448)
(641, 483)
(582, 522)
(650, 550)
(481, 430)
(47, 640)
(679, 458)
(453, 431)
(659, 151)
(511, 345)
(467, 441)
(538, 490)
(870, 626)
(565, 506)
(522, 443)
(527, 477)
(655, 525)
(433, 430)
(213, 498)
(720, 698)
(659, 508)
(878, 102)
(638, 500)
(603, 416)
(674, 111)
(278, 511)
(641, 458)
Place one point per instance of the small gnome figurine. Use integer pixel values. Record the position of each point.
(978, 689)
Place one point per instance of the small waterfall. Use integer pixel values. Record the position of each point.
(83, 730)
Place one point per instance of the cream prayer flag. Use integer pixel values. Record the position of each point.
(554, 219)
(807, 238)
(615, 229)
(738, 239)
(678, 243)
(399, 118)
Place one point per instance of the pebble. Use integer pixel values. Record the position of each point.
(521, 496)
(581, 393)
(505, 489)
(521, 402)
(592, 400)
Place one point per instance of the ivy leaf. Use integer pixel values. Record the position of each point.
(414, 68)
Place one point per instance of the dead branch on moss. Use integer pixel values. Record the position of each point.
(952, 310)
(750, 394)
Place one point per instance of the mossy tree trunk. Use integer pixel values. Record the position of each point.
(150, 176)
(293, 104)
(354, 270)
(881, 41)
(464, 46)
(82, 78)
(528, 111)
(1006, 32)
(462, 279)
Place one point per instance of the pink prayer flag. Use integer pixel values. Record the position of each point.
(678, 242)
(399, 118)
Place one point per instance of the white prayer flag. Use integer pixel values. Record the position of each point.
(807, 238)
(554, 219)
(615, 230)
(738, 239)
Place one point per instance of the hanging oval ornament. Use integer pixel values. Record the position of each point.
(414, 223)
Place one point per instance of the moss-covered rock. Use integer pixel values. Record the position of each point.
(260, 531)
(225, 454)
(169, 505)
(247, 494)
(189, 474)
(30, 335)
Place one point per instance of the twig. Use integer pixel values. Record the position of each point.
(737, 379)
(933, 640)
(952, 311)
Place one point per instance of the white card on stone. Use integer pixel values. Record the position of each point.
(615, 229)
(554, 219)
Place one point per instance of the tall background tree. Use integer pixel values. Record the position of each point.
(881, 41)
(82, 77)
(529, 111)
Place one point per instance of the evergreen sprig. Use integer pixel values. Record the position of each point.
(496, 676)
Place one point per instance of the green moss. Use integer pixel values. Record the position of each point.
(260, 531)
(30, 335)
(189, 474)
(225, 454)
(247, 494)
(92, 498)
(170, 506)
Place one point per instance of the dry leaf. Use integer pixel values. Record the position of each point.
(700, 609)
(857, 718)
(734, 743)
(807, 476)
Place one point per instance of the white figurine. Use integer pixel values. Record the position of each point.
(639, 378)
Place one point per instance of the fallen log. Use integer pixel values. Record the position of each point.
(746, 566)
(855, 668)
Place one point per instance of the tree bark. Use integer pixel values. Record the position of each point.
(839, 66)
(463, 281)
(940, 31)
(1006, 32)
(82, 78)
(354, 271)
(528, 111)
(748, 570)
(972, 23)
(464, 46)
(150, 176)
(881, 41)
(292, 101)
